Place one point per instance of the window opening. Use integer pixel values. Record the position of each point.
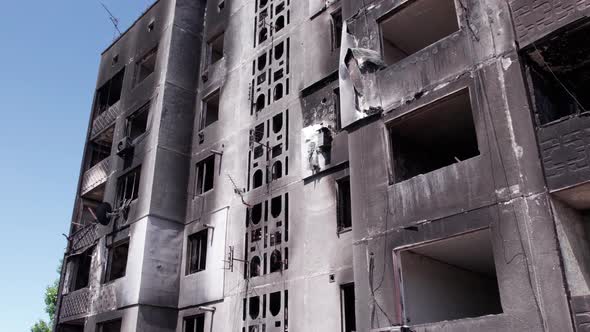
(146, 66)
(466, 284)
(82, 265)
(205, 175)
(280, 23)
(255, 267)
(276, 206)
(344, 204)
(254, 307)
(277, 170)
(275, 303)
(277, 123)
(336, 29)
(215, 48)
(258, 178)
(262, 35)
(276, 261)
(128, 186)
(137, 122)
(347, 304)
(195, 324)
(117, 262)
(197, 252)
(210, 110)
(109, 93)
(421, 145)
(559, 73)
(397, 44)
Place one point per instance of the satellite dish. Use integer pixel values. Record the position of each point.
(103, 213)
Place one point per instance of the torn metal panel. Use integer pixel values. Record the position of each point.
(358, 85)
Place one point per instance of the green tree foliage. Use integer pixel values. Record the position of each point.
(50, 306)
(41, 326)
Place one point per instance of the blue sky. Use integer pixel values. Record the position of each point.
(49, 54)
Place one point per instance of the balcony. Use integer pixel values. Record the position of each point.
(75, 305)
(83, 238)
(105, 119)
(94, 178)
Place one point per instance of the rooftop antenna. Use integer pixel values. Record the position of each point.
(112, 17)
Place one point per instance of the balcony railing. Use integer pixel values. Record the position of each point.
(83, 238)
(95, 176)
(105, 119)
(75, 304)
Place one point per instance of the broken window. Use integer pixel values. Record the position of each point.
(344, 210)
(194, 323)
(347, 307)
(215, 48)
(109, 93)
(197, 252)
(81, 272)
(137, 122)
(280, 23)
(465, 285)
(559, 73)
(111, 326)
(128, 187)
(145, 66)
(210, 110)
(428, 21)
(336, 29)
(420, 144)
(117, 260)
(205, 175)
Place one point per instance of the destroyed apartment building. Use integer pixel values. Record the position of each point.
(324, 165)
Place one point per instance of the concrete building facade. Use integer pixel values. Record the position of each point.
(325, 165)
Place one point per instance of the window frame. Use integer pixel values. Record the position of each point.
(209, 48)
(336, 29)
(201, 177)
(201, 238)
(205, 109)
(153, 52)
(121, 188)
(341, 211)
(129, 121)
(111, 249)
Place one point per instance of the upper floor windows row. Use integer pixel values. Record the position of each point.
(110, 92)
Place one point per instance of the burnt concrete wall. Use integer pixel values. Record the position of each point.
(502, 188)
